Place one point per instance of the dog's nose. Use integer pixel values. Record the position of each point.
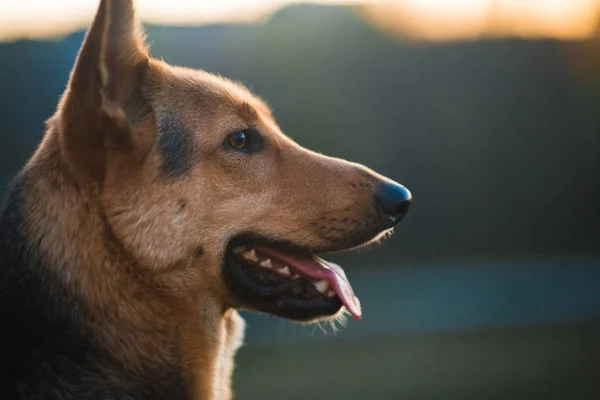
(394, 200)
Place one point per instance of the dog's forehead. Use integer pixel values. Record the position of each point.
(194, 109)
(191, 91)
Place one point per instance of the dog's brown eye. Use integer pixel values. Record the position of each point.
(238, 141)
(248, 140)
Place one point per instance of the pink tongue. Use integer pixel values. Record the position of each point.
(317, 268)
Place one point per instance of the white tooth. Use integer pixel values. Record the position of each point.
(322, 285)
(295, 276)
(330, 293)
(266, 263)
(239, 249)
(251, 255)
(284, 271)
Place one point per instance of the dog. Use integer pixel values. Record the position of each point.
(160, 201)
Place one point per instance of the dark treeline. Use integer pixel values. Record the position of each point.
(499, 140)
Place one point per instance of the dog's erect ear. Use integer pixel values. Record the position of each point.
(103, 98)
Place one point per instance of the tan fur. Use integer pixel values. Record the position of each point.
(153, 247)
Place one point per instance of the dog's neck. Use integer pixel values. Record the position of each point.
(70, 231)
(116, 300)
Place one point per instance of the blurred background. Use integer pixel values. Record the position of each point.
(487, 110)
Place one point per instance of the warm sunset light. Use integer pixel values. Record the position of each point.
(455, 19)
(426, 19)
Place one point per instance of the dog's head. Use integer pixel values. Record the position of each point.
(199, 184)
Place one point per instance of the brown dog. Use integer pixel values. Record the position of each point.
(160, 200)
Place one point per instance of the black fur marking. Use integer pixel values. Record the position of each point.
(175, 145)
(47, 348)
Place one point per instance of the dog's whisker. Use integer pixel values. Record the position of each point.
(289, 233)
(274, 328)
(269, 319)
(303, 240)
(298, 230)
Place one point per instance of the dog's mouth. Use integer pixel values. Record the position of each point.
(287, 281)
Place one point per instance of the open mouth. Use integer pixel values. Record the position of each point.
(287, 281)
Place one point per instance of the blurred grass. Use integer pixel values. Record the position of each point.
(544, 362)
(455, 296)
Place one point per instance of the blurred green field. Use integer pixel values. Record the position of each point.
(544, 362)
(505, 329)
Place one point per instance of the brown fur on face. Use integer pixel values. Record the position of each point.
(144, 196)
(285, 191)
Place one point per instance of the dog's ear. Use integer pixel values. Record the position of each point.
(103, 98)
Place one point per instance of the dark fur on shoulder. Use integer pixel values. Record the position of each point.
(48, 349)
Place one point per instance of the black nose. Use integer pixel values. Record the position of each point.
(394, 200)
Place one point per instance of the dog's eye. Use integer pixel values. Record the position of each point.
(238, 141)
(248, 140)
